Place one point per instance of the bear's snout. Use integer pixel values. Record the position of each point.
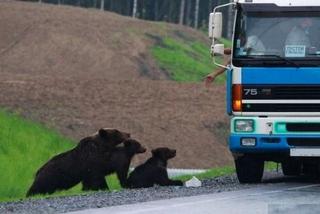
(127, 135)
(173, 153)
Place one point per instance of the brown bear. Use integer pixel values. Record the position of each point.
(118, 163)
(65, 170)
(153, 171)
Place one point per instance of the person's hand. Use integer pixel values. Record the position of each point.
(227, 51)
(208, 80)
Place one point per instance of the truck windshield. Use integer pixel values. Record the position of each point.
(277, 38)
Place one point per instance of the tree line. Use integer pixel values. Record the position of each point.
(193, 13)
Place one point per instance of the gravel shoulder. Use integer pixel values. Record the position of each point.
(105, 199)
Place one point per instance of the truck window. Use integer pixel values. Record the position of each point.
(272, 35)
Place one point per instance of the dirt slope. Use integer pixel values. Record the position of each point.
(78, 70)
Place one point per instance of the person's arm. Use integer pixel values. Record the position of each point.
(227, 51)
(211, 77)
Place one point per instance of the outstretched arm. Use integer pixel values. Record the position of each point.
(211, 77)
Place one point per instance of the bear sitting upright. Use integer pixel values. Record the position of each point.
(65, 170)
(118, 162)
(154, 170)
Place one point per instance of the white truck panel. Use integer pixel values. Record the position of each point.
(283, 3)
(263, 124)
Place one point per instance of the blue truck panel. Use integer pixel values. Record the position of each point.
(281, 75)
(229, 92)
(263, 144)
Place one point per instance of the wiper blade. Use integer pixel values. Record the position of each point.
(277, 57)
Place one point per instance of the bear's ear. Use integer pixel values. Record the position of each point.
(103, 133)
(155, 152)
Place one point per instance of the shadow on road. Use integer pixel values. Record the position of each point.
(278, 177)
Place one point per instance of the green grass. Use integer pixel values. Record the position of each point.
(211, 173)
(227, 43)
(24, 147)
(184, 61)
(221, 171)
(271, 166)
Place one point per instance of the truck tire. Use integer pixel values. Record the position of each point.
(291, 167)
(310, 169)
(249, 169)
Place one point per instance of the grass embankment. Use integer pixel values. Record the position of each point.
(24, 147)
(186, 61)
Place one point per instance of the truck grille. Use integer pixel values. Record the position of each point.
(303, 127)
(286, 92)
(281, 107)
(303, 141)
(297, 92)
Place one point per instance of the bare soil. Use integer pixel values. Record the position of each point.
(77, 70)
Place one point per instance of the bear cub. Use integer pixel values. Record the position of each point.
(154, 170)
(118, 163)
(65, 170)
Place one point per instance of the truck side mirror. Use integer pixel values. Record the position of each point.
(218, 49)
(215, 25)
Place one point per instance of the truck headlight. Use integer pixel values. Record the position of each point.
(244, 125)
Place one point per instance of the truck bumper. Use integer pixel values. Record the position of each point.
(266, 143)
(273, 134)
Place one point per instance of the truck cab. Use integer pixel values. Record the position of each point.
(273, 85)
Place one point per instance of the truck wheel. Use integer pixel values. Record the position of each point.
(310, 169)
(249, 169)
(291, 167)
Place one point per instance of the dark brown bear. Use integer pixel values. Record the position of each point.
(154, 170)
(69, 168)
(118, 163)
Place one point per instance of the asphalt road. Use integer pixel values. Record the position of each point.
(277, 195)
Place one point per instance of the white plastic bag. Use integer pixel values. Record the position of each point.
(193, 182)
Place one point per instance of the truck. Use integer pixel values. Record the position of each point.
(273, 84)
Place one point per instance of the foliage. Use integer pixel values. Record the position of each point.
(154, 10)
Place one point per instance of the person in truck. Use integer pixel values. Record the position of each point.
(253, 45)
(299, 34)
